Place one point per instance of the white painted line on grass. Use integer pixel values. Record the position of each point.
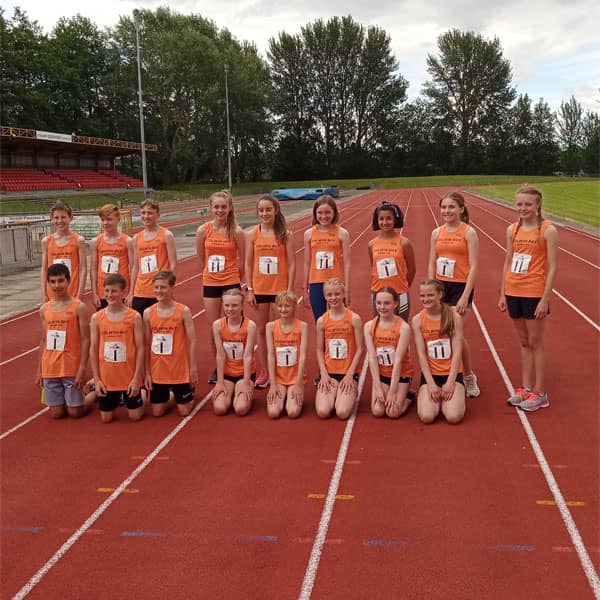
(584, 557)
(24, 591)
(317, 549)
(22, 423)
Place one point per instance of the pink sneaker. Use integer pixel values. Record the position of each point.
(262, 380)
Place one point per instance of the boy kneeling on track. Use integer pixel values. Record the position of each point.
(117, 353)
(64, 347)
(170, 349)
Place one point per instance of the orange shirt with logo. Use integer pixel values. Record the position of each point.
(234, 345)
(438, 348)
(116, 350)
(220, 259)
(270, 269)
(169, 357)
(287, 352)
(67, 255)
(340, 343)
(326, 258)
(385, 342)
(152, 257)
(452, 254)
(113, 257)
(61, 356)
(389, 264)
(526, 276)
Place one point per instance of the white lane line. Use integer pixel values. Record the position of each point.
(9, 360)
(554, 291)
(587, 262)
(317, 549)
(26, 589)
(334, 483)
(584, 558)
(22, 423)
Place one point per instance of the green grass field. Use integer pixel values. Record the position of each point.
(577, 200)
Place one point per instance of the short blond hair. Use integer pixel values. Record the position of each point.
(109, 209)
(286, 296)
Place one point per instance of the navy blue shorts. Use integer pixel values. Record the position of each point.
(264, 298)
(140, 303)
(453, 290)
(522, 308)
(216, 291)
(388, 380)
(183, 393)
(112, 401)
(440, 380)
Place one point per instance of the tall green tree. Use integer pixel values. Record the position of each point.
(544, 151)
(470, 87)
(337, 90)
(570, 134)
(591, 143)
(25, 100)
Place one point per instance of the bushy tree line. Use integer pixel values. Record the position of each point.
(328, 102)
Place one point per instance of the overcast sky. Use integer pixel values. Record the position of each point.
(553, 45)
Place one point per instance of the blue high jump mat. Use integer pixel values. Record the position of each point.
(305, 193)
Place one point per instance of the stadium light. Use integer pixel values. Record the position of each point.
(228, 134)
(141, 104)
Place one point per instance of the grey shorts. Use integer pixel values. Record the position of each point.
(59, 391)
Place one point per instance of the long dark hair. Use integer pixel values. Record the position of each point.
(394, 209)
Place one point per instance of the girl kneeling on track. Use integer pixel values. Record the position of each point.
(270, 269)
(286, 347)
(234, 337)
(339, 350)
(326, 254)
(453, 260)
(220, 247)
(528, 275)
(392, 257)
(387, 338)
(437, 330)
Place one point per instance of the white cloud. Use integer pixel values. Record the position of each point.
(549, 42)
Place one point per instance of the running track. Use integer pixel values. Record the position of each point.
(249, 508)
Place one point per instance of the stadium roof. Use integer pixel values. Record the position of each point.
(18, 137)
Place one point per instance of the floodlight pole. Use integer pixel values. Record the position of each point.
(228, 133)
(140, 101)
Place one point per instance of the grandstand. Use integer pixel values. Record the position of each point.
(36, 161)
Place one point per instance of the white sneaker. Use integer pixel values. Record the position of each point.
(471, 387)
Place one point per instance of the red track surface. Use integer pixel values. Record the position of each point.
(224, 511)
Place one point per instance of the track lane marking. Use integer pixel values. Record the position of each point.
(39, 575)
(584, 558)
(561, 504)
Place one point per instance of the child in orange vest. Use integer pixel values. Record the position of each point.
(64, 347)
(65, 247)
(387, 338)
(438, 334)
(117, 353)
(235, 337)
(110, 252)
(286, 348)
(340, 346)
(170, 341)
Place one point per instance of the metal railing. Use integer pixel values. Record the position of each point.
(22, 243)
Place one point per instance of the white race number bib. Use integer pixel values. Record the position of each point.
(287, 356)
(109, 264)
(149, 264)
(385, 355)
(268, 265)
(56, 339)
(338, 349)
(216, 263)
(386, 267)
(162, 343)
(234, 350)
(115, 352)
(323, 260)
(63, 261)
(439, 349)
(445, 267)
(520, 263)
